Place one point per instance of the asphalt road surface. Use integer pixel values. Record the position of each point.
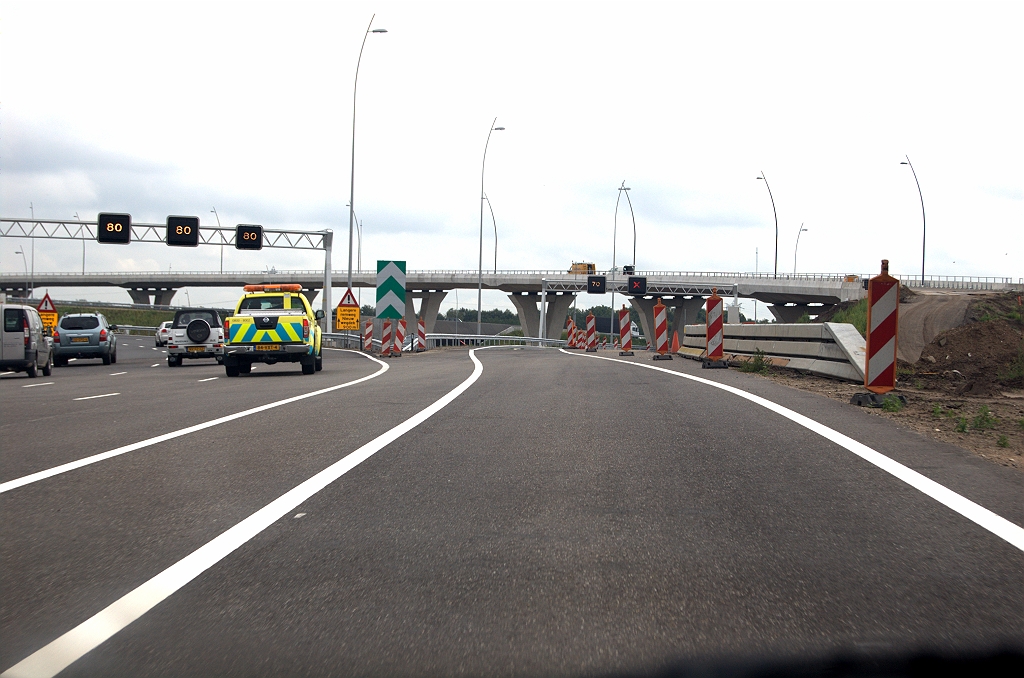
(513, 512)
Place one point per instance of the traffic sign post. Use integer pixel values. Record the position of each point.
(400, 327)
(591, 333)
(48, 313)
(883, 325)
(625, 332)
(661, 332)
(385, 339)
(714, 332)
(346, 316)
(368, 336)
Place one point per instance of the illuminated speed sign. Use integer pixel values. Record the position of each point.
(114, 228)
(248, 237)
(183, 231)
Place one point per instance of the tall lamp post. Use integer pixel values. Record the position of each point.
(495, 224)
(776, 223)
(480, 268)
(615, 230)
(923, 224)
(802, 230)
(352, 174)
(214, 210)
(83, 244)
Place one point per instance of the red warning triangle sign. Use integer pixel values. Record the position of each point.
(349, 299)
(46, 305)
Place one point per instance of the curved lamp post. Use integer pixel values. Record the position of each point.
(776, 223)
(622, 189)
(802, 230)
(495, 224)
(480, 269)
(352, 174)
(214, 210)
(923, 224)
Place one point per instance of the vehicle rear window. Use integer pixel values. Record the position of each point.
(297, 303)
(83, 322)
(12, 320)
(185, 318)
(265, 303)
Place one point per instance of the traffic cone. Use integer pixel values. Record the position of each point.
(675, 342)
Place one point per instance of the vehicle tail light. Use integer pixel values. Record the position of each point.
(226, 334)
(103, 335)
(305, 328)
(56, 336)
(24, 324)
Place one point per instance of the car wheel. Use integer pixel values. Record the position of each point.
(245, 368)
(173, 361)
(106, 359)
(308, 367)
(48, 367)
(319, 362)
(113, 356)
(231, 370)
(31, 371)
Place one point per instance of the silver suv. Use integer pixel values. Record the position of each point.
(195, 333)
(84, 335)
(25, 346)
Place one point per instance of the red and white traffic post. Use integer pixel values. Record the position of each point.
(625, 332)
(591, 333)
(399, 338)
(883, 317)
(661, 331)
(570, 333)
(368, 336)
(714, 332)
(386, 341)
(421, 336)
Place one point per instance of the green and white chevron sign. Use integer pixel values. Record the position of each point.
(391, 289)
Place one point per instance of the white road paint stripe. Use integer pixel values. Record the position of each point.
(45, 383)
(71, 360)
(155, 365)
(994, 523)
(62, 652)
(114, 374)
(209, 379)
(105, 395)
(71, 466)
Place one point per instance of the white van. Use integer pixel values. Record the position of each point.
(25, 346)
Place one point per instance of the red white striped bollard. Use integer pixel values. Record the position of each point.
(399, 338)
(591, 335)
(883, 316)
(570, 334)
(368, 336)
(421, 336)
(661, 331)
(386, 341)
(714, 333)
(625, 332)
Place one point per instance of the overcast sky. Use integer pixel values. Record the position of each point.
(174, 108)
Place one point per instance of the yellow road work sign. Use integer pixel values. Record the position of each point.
(346, 316)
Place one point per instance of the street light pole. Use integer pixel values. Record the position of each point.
(495, 224)
(352, 174)
(83, 244)
(32, 276)
(214, 210)
(762, 178)
(923, 223)
(802, 230)
(480, 268)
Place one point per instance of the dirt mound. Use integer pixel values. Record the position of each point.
(981, 357)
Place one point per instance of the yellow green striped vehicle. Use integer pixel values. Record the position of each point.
(272, 324)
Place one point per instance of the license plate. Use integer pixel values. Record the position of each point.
(196, 349)
(268, 347)
(80, 340)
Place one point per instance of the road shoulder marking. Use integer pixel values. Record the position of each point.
(976, 513)
(104, 395)
(62, 652)
(71, 466)
(45, 383)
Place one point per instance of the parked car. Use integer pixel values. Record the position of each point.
(25, 346)
(195, 333)
(163, 333)
(84, 335)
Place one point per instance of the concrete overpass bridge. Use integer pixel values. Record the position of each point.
(537, 294)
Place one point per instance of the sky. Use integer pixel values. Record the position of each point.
(159, 108)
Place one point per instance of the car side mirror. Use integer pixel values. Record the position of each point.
(112, 327)
(319, 315)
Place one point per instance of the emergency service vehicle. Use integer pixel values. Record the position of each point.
(272, 324)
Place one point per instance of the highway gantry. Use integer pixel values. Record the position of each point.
(506, 510)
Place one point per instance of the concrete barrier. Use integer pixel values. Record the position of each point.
(827, 349)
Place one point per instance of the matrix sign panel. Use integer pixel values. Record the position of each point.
(637, 286)
(248, 237)
(183, 231)
(114, 228)
(596, 284)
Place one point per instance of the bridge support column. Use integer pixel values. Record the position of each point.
(140, 296)
(159, 296)
(558, 309)
(645, 307)
(685, 313)
(310, 294)
(789, 314)
(529, 313)
(163, 297)
(528, 306)
(430, 305)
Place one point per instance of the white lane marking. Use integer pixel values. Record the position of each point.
(62, 652)
(45, 383)
(155, 365)
(71, 360)
(155, 348)
(114, 374)
(209, 379)
(105, 395)
(993, 522)
(71, 466)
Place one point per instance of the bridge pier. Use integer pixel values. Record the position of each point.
(790, 314)
(430, 305)
(528, 306)
(152, 296)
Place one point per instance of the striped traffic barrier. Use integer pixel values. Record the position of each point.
(570, 333)
(625, 332)
(399, 337)
(591, 333)
(421, 336)
(883, 315)
(661, 331)
(368, 336)
(385, 338)
(714, 332)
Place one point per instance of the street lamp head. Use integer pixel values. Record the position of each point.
(623, 188)
(761, 178)
(379, 30)
(498, 129)
(902, 163)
